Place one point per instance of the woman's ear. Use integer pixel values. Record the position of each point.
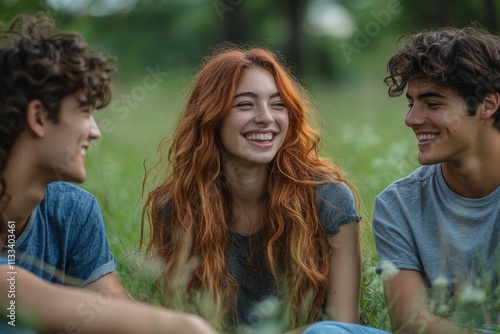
(491, 103)
(36, 118)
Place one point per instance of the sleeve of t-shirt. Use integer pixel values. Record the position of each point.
(336, 206)
(394, 239)
(90, 257)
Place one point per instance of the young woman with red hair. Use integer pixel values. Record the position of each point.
(249, 211)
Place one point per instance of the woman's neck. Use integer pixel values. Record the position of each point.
(248, 187)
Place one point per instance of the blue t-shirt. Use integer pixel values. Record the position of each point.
(421, 224)
(64, 240)
(336, 207)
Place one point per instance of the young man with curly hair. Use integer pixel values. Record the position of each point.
(50, 85)
(440, 226)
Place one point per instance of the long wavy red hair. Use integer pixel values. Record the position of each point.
(189, 214)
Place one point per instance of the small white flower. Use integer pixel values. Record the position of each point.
(442, 309)
(440, 282)
(268, 306)
(472, 295)
(389, 270)
(439, 308)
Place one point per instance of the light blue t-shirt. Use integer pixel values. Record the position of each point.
(65, 238)
(421, 224)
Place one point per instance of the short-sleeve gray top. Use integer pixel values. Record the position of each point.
(336, 206)
(421, 224)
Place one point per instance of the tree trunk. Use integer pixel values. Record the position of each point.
(294, 54)
(490, 20)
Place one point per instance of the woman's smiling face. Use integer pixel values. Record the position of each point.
(256, 126)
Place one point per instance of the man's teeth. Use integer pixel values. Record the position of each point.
(83, 151)
(426, 137)
(260, 136)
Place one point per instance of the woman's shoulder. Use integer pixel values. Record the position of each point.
(336, 205)
(333, 190)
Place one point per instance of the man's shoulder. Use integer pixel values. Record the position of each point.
(62, 199)
(64, 191)
(418, 180)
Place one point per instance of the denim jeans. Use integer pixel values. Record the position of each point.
(334, 327)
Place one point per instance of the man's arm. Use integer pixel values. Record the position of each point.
(407, 303)
(110, 285)
(63, 309)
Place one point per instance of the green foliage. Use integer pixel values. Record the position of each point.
(175, 34)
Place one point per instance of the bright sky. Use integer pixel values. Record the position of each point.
(327, 17)
(95, 8)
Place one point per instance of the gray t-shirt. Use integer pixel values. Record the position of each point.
(420, 224)
(336, 206)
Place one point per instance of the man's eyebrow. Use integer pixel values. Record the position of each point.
(251, 94)
(426, 95)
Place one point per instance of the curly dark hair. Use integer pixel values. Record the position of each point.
(38, 64)
(465, 60)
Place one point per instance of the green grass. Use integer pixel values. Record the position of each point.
(363, 132)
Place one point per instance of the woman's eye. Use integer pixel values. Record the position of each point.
(244, 104)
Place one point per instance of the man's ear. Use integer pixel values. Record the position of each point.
(491, 104)
(36, 118)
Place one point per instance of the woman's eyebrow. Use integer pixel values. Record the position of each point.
(251, 94)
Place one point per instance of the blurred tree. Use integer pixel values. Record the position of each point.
(443, 12)
(295, 11)
(491, 18)
(175, 34)
(426, 14)
(234, 27)
(277, 24)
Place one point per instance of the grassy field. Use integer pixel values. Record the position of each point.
(363, 132)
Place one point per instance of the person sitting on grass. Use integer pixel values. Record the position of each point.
(438, 230)
(50, 84)
(249, 213)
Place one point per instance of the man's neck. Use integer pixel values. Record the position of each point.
(476, 177)
(25, 189)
